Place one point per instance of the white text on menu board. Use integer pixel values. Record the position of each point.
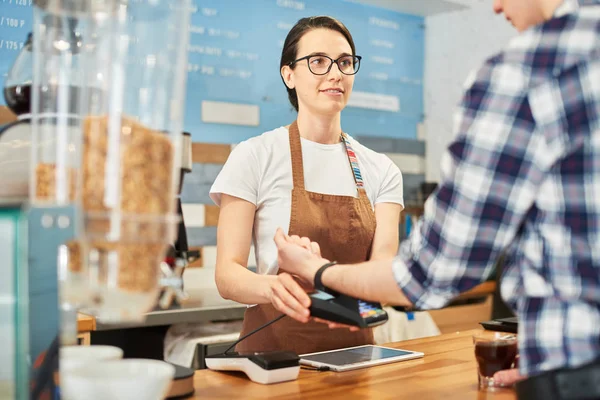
(201, 30)
(295, 5)
(208, 12)
(8, 22)
(217, 51)
(12, 22)
(224, 72)
(10, 45)
(25, 3)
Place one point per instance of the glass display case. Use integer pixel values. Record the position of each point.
(13, 305)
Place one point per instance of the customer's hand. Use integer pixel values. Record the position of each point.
(508, 376)
(295, 257)
(306, 243)
(302, 258)
(289, 297)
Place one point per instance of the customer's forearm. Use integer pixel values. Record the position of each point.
(372, 280)
(244, 286)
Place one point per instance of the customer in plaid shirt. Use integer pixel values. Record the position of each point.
(523, 176)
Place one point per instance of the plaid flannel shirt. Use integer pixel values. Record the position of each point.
(522, 175)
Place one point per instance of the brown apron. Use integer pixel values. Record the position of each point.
(344, 227)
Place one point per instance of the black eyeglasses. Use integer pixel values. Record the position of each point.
(321, 64)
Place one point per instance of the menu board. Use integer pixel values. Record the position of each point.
(15, 24)
(234, 90)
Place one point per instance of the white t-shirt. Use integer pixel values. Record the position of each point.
(259, 170)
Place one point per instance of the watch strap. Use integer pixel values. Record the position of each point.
(317, 281)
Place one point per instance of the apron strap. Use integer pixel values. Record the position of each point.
(353, 162)
(298, 167)
(296, 152)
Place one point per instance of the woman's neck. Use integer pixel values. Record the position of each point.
(320, 129)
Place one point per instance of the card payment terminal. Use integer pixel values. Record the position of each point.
(346, 310)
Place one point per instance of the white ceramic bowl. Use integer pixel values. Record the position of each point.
(71, 357)
(118, 380)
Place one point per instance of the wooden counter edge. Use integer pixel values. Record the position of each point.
(481, 290)
(85, 323)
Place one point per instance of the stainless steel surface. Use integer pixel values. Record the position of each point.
(202, 306)
(171, 283)
(12, 201)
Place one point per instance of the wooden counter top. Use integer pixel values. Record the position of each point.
(448, 371)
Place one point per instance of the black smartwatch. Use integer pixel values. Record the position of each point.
(317, 282)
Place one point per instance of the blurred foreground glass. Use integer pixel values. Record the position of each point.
(108, 95)
(494, 351)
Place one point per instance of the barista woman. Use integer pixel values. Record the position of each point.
(313, 181)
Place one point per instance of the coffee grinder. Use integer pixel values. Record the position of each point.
(179, 255)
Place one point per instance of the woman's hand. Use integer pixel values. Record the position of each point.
(288, 296)
(288, 292)
(295, 253)
(335, 325)
(314, 248)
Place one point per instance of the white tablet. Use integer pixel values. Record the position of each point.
(357, 357)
